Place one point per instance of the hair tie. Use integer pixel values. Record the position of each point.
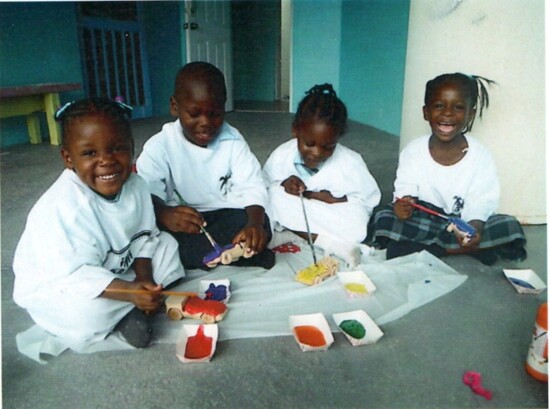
(61, 110)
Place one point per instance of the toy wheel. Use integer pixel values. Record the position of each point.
(175, 314)
(208, 319)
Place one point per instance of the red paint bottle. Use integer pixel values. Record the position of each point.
(537, 356)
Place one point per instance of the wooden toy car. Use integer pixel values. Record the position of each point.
(316, 273)
(208, 311)
(226, 255)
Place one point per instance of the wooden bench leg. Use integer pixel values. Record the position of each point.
(51, 103)
(33, 127)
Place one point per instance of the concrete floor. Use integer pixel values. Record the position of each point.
(483, 325)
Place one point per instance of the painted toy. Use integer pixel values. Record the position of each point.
(208, 311)
(317, 273)
(226, 254)
(456, 224)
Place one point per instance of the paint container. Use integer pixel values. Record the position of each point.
(537, 356)
(525, 281)
(356, 283)
(197, 343)
(311, 332)
(220, 289)
(356, 323)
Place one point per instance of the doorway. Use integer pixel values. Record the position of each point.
(261, 55)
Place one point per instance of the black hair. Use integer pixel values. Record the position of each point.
(117, 111)
(322, 103)
(472, 85)
(204, 71)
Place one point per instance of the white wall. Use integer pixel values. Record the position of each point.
(503, 41)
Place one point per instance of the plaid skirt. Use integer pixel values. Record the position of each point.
(499, 229)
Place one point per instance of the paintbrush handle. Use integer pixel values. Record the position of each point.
(423, 208)
(208, 236)
(309, 239)
(165, 292)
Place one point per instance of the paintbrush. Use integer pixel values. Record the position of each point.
(309, 239)
(163, 292)
(213, 242)
(462, 227)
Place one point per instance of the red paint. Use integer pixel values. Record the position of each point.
(198, 346)
(196, 305)
(310, 335)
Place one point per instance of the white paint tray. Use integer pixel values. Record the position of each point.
(372, 331)
(204, 285)
(356, 283)
(318, 321)
(190, 330)
(525, 281)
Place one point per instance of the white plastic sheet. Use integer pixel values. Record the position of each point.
(261, 301)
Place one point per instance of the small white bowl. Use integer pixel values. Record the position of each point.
(356, 283)
(372, 331)
(311, 320)
(189, 331)
(525, 281)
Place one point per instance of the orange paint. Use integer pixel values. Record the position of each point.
(198, 346)
(310, 335)
(196, 305)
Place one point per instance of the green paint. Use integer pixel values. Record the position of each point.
(353, 328)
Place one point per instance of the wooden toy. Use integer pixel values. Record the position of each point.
(456, 225)
(208, 311)
(316, 273)
(174, 307)
(226, 255)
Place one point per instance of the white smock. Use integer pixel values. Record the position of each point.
(74, 244)
(345, 173)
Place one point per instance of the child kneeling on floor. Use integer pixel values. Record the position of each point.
(452, 173)
(92, 233)
(331, 181)
(203, 175)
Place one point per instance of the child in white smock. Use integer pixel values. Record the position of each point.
(338, 190)
(451, 172)
(202, 174)
(92, 234)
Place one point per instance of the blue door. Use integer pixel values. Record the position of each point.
(114, 54)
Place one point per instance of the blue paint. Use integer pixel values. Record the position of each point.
(214, 254)
(521, 283)
(216, 292)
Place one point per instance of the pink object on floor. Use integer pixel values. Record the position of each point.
(473, 380)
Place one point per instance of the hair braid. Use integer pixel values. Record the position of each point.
(322, 103)
(118, 112)
(473, 86)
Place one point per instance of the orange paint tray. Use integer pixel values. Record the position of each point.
(318, 331)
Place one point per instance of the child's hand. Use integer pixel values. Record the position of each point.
(181, 219)
(324, 196)
(293, 185)
(473, 242)
(144, 294)
(403, 208)
(149, 301)
(254, 236)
